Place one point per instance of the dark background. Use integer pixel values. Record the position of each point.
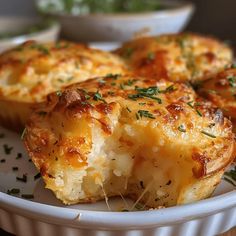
(214, 17)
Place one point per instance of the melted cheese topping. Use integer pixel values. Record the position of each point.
(177, 57)
(221, 91)
(156, 142)
(31, 71)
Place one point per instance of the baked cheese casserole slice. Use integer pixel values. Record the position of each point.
(176, 57)
(29, 72)
(221, 91)
(155, 142)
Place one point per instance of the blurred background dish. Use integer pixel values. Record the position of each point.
(15, 30)
(90, 21)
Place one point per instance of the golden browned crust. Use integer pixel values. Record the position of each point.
(111, 134)
(29, 72)
(177, 57)
(221, 91)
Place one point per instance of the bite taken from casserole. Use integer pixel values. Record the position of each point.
(176, 57)
(152, 141)
(30, 71)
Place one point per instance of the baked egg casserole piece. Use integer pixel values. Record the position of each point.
(29, 72)
(152, 141)
(221, 91)
(176, 57)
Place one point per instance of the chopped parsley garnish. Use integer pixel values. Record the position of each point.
(142, 103)
(208, 134)
(37, 176)
(22, 179)
(181, 128)
(13, 191)
(128, 109)
(130, 82)
(87, 97)
(190, 104)
(113, 84)
(113, 76)
(193, 106)
(98, 97)
(146, 92)
(151, 56)
(127, 53)
(198, 112)
(233, 66)
(232, 81)
(122, 86)
(40, 48)
(169, 89)
(230, 176)
(144, 113)
(27, 196)
(7, 149)
(19, 155)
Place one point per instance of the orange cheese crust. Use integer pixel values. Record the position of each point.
(147, 139)
(177, 57)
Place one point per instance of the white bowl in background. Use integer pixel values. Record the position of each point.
(17, 24)
(125, 26)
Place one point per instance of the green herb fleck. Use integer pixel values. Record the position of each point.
(113, 76)
(151, 56)
(232, 81)
(230, 176)
(198, 112)
(128, 109)
(7, 149)
(181, 129)
(144, 113)
(98, 97)
(15, 168)
(13, 191)
(127, 53)
(37, 176)
(122, 86)
(27, 196)
(208, 134)
(19, 155)
(22, 179)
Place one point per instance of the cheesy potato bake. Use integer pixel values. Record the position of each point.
(153, 141)
(221, 91)
(31, 71)
(177, 57)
